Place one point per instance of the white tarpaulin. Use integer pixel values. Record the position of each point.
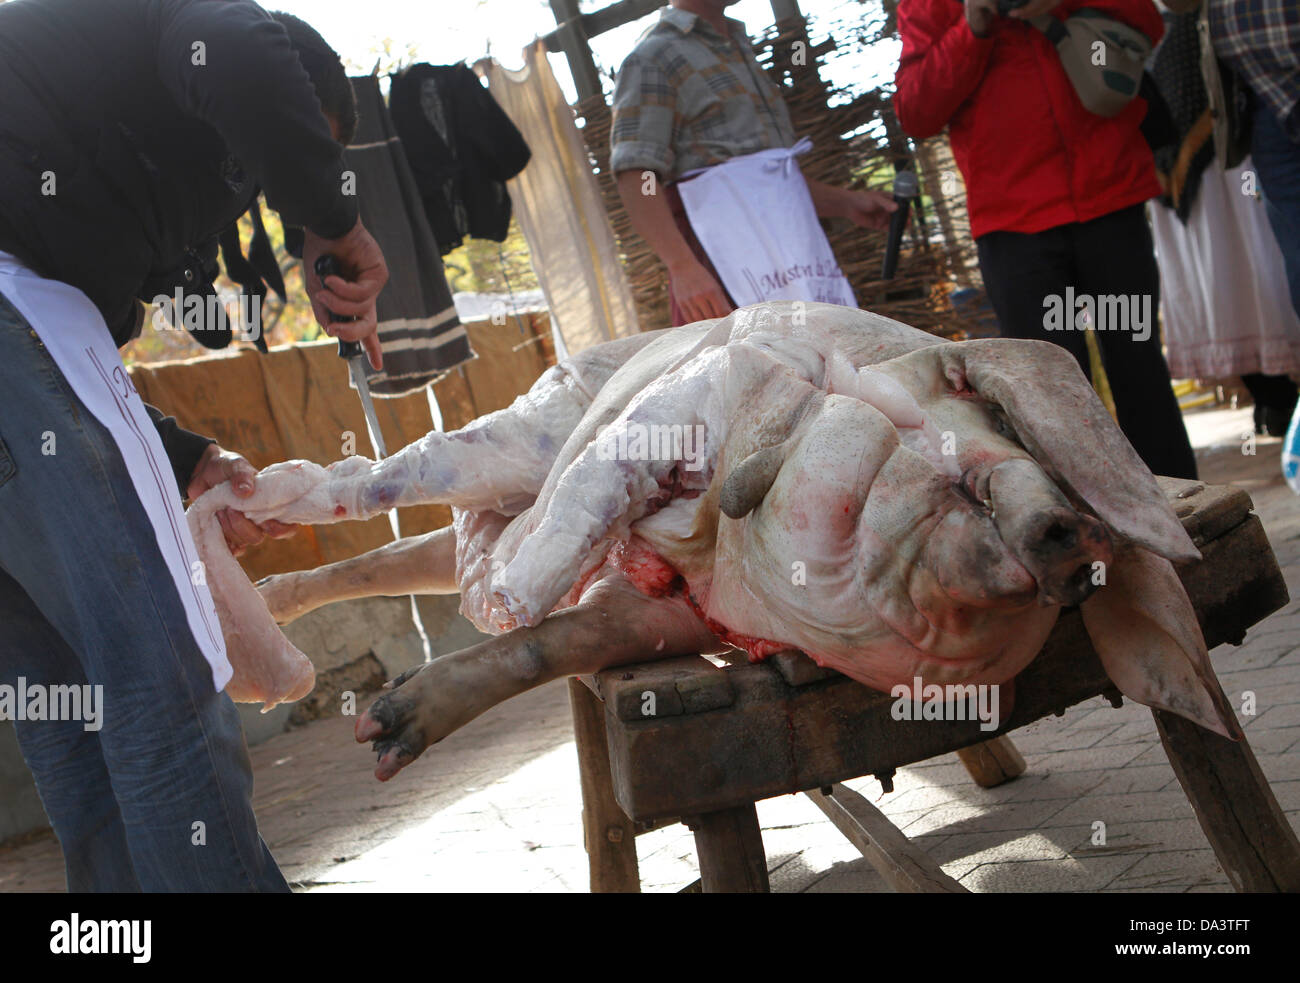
(559, 208)
(755, 218)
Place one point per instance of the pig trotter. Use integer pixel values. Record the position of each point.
(423, 706)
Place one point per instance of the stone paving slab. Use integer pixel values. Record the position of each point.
(496, 806)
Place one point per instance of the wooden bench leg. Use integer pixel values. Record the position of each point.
(991, 763)
(904, 866)
(730, 848)
(1250, 834)
(608, 834)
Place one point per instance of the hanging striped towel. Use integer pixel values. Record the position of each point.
(419, 331)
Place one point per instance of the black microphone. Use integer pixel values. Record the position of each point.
(905, 191)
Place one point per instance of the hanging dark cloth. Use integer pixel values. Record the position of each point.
(462, 148)
(419, 332)
(256, 272)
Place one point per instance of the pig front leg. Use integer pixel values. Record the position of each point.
(499, 462)
(613, 624)
(419, 565)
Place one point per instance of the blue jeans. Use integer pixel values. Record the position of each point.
(1277, 162)
(159, 798)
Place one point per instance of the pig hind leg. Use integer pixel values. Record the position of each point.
(418, 565)
(613, 624)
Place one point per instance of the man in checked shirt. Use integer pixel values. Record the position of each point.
(691, 95)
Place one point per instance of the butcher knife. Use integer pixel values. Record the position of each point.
(327, 265)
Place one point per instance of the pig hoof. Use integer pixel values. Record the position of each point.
(422, 707)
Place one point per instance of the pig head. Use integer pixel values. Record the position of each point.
(932, 516)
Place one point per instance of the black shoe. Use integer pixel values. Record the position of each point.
(1274, 421)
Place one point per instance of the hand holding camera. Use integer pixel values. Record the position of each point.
(980, 14)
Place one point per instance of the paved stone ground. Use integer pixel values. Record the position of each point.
(496, 806)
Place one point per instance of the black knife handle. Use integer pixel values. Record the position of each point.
(327, 265)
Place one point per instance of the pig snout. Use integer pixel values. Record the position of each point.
(1057, 545)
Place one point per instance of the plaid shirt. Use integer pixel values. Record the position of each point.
(1261, 40)
(688, 98)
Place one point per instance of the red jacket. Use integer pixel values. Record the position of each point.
(1032, 156)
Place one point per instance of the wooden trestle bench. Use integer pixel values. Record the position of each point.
(721, 739)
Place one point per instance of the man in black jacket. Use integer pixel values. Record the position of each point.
(131, 134)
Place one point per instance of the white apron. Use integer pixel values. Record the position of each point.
(73, 331)
(1225, 307)
(755, 219)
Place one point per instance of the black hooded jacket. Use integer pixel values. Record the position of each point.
(462, 148)
(133, 131)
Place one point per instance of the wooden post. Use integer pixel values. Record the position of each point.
(905, 866)
(577, 50)
(608, 834)
(1250, 834)
(598, 22)
(785, 9)
(730, 847)
(934, 184)
(992, 762)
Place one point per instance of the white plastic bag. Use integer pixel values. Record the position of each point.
(1291, 453)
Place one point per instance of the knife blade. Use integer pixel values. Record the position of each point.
(351, 352)
(327, 265)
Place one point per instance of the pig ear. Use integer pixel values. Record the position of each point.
(1063, 424)
(750, 480)
(1144, 629)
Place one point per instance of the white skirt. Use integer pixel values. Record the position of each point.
(1223, 286)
